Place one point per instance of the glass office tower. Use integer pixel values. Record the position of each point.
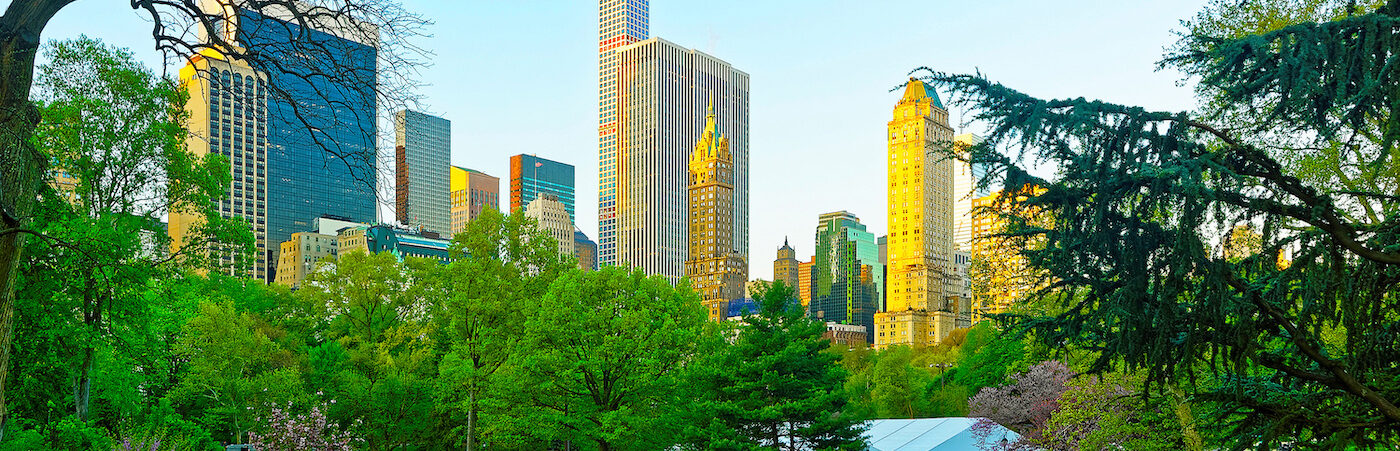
(845, 288)
(321, 148)
(531, 176)
(422, 158)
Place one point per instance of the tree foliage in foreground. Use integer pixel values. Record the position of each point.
(774, 386)
(1302, 337)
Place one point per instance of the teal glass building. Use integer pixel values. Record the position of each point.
(846, 276)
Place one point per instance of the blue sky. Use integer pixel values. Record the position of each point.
(521, 77)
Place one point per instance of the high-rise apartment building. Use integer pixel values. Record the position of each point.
(227, 111)
(924, 285)
(301, 150)
(586, 250)
(716, 270)
(532, 176)
(553, 219)
(472, 190)
(423, 154)
(804, 281)
(844, 289)
(652, 97)
(785, 266)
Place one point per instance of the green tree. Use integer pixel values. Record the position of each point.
(1141, 195)
(601, 360)
(236, 371)
(178, 30)
(774, 386)
(95, 326)
(502, 264)
(374, 353)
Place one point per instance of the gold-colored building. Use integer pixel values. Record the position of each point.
(716, 270)
(785, 267)
(299, 256)
(1000, 274)
(804, 281)
(924, 289)
(471, 191)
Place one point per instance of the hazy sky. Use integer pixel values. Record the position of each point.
(521, 77)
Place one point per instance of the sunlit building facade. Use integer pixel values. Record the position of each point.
(422, 158)
(227, 110)
(717, 271)
(924, 286)
(652, 99)
(844, 289)
(785, 266)
(804, 282)
(553, 219)
(1001, 276)
(620, 23)
(298, 256)
(472, 190)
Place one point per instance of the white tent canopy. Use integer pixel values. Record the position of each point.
(941, 434)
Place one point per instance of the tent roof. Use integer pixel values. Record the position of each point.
(929, 434)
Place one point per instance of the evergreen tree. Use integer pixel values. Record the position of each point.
(775, 386)
(1300, 338)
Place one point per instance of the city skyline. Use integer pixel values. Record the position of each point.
(807, 119)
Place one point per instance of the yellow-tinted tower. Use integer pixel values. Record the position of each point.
(923, 287)
(716, 270)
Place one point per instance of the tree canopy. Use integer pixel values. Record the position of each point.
(1301, 335)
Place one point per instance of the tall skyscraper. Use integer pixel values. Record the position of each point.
(531, 176)
(844, 288)
(716, 270)
(785, 266)
(321, 137)
(423, 154)
(620, 23)
(924, 285)
(228, 116)
(472, 190)
(553, 220)
(652, 94)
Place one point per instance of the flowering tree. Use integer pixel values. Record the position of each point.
(285, 431)
(1025, 405)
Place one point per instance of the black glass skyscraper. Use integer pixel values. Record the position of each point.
(321, 148)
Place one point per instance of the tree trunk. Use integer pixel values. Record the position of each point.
(82, 389)
(471, 419)
(21, 167)
(1182, 408)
